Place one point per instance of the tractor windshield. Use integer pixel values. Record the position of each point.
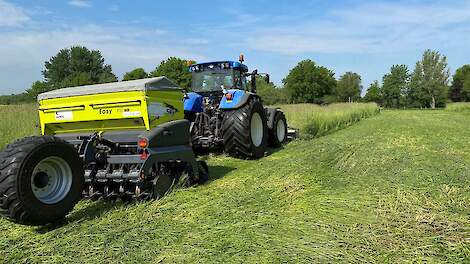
(214, 80)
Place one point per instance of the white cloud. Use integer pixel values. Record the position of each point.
(80, 3)
(29, 49)
(117, 46)
(12, 15)
(383, 27)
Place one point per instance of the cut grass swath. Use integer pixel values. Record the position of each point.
(314, 120)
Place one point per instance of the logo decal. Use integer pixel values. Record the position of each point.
(64, 115)
(106, 111)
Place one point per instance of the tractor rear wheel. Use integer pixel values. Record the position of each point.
(245, 131)
(41, 180)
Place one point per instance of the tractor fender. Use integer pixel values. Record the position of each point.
(193, 103)
(239, 99)
(270, 114)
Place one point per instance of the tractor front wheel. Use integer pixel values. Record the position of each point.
(245, 131)
(41, 180)
(278, 133)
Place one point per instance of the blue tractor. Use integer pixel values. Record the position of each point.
(226, 113)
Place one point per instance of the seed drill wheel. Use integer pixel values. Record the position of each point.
(162, 185)
(41, 180)
(278, 134)
(203, 172)
(244, 130)
(165, 182)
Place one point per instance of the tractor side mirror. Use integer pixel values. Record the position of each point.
(253, 83)
(266, 78)
(185, 93)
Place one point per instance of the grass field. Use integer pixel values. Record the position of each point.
(458, 107)
(392, 188)
(17, 121)
(314, 121)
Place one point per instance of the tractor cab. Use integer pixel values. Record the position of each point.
(220, 83)
(219, 76)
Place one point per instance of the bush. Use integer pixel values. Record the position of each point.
(21, 98)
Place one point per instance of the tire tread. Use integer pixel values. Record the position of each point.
(236, 129)
(11, 159)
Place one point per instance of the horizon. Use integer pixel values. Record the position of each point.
(366, 37)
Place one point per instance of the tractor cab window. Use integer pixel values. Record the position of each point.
(240, 81)
(244, 83)
(213, 80)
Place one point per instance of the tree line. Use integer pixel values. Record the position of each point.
(428, 85)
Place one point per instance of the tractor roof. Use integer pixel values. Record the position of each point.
(149, 84)
(233, 64)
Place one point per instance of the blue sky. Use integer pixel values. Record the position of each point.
(366, 37)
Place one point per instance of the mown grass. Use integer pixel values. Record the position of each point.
(458, 107)
(393, 188)
(314, 120)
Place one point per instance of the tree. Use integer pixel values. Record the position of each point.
(37, 88)
(466, 89)
(73, 66)
(77, 66)
(460, 89)
(107, 77)
(374, 93)
(430, 79)
(309, 83)
(416, 97)
(135, 74)
(349, 87)
(175, 69)
(269, 93)
(395, 85)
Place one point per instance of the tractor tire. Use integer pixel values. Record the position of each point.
(41, 180)
(278, 133)
(245, 131)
